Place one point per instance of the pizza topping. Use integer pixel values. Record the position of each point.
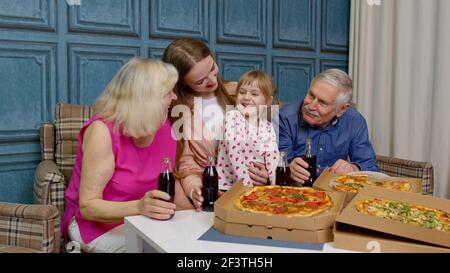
(320, 194)
(312, 205)
(405, 213)
(284, 201)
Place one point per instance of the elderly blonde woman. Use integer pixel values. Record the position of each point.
(119, 157)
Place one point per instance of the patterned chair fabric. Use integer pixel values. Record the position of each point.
(408, 168)
(29, 228)
(69, 119)
(59, 143)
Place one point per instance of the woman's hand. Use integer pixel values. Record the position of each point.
(196, 197)
(155, 204)
(258, 173)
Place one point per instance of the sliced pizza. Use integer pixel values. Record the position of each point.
(406, 213)
(284, 200)
(354, 182)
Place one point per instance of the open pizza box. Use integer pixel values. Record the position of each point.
(315, 229)
(356, 231)
(325, 181)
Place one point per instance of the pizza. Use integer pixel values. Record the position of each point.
(406, 213)
(284, 200)
(354, 182)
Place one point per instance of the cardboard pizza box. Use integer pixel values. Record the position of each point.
(364, 240)
(314, 229)
(323, 183)
(274, 233)
(352, 217)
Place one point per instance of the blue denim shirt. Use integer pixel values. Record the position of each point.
(344, 138)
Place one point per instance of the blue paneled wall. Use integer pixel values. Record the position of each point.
(51, 51)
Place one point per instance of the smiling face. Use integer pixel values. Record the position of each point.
(202, 77)
(250, 96)
(319, 106)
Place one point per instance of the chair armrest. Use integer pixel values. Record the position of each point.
(33, 212)
(30, 226)
(44, 168)
(408, 168)
(49, 185)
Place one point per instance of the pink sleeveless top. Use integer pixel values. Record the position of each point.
(136, 172)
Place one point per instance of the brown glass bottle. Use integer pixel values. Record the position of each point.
(283, 173)
(311, 159)
(166, 181)
(210, 189)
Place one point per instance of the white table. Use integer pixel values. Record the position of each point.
(180, 235)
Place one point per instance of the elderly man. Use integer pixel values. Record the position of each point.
(339, 133)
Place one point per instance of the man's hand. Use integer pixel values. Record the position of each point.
(298, 170)
(342, 167)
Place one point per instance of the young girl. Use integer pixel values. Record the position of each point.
(248, 136)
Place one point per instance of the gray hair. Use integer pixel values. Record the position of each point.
(340, 80)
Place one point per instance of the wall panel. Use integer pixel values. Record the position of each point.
(335, 24)
(294, 24)
(52, 52)
(179, 18)
(28, 14)
(292, 77)
(118, 17)
(242, 22)
(93, 67)
(232, 65)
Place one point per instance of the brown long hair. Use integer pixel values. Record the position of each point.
(184, 53)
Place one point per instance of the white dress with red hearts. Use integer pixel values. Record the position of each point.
(243, 144)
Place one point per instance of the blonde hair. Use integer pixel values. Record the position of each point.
(134, 99)
(261, 80)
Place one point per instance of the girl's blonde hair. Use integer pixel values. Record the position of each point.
(134, 99)
(261, 80)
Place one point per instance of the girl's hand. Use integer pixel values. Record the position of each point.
(221, 193)
(258, 173)
(155, 204)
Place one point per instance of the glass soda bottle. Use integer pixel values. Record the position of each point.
(210, 189)
(311, 159)
(283, 173)
(166, 181)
